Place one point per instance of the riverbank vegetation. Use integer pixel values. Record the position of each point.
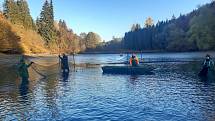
(191, 32)
(19, 33)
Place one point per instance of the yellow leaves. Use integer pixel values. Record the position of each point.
(8, 39)
(31, 42)
(1, 16)
(15, 38)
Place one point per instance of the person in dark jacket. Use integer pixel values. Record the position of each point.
(208, 64)
(64, 62)
(23, 69)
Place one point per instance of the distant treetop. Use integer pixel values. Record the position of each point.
(149, 22)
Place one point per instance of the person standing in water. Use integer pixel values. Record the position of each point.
(208, 64)
(23, 69)
(64, 62)
(134, 60)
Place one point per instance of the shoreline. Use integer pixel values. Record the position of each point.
(128, 52)
(139, 52)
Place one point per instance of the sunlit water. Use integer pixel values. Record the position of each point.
(173, 93)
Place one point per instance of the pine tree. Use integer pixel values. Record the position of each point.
(24, 16)
(45, 23)
(10, 10)
(135, 27)
(18, 13)
(51, 11)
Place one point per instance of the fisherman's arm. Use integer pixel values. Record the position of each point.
(30, 64)
(130, 61)
(60, 57)
(204, 63)
(138, 62)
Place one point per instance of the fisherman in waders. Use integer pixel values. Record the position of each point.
(23, 70)
(208, 64)
(134, 61)
(64, 63)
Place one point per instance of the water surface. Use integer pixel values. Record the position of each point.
(173, 93)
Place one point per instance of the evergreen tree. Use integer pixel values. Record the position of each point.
(18, 13)
(45, 23)
(11, 10)
(135, 27)
(194, 31)
(24, 14)
(51, 12)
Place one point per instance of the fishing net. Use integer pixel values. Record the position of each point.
(8, 71)
(46, 67)
(46, 71)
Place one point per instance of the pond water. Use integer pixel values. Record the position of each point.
(173, 93)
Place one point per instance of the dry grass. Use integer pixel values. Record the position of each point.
(30, 41)
(15, 38)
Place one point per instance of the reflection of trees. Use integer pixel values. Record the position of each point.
(51, 96)
(65, 76)
(204, 98)
(9, 82)
(199, 94)
(14, 92)
(23, 89)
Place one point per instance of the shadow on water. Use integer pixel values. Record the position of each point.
(23, 89)
(65, 76)
(133, 79)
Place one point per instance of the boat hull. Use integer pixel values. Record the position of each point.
(128, 70)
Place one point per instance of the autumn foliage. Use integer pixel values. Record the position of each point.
(19, 33)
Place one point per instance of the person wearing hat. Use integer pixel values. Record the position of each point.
(207, 65)
(134, 60)
(23, 69)
(64, 62)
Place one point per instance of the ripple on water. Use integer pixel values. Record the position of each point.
(171, 94)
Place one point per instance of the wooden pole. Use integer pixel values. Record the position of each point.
(141, 56)
(73, 56)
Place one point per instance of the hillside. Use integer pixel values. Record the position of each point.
(191, 32)
(16, 39)
(19, 33)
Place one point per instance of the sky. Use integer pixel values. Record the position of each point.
(111, 18)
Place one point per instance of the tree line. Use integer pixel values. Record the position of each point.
(56, 35)
(194, 31)
(18, 12)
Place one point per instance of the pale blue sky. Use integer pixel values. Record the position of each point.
(113, 17)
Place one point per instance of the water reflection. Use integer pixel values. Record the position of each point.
(23, 89)
(65, 75)
(174, 92)
(133, 79)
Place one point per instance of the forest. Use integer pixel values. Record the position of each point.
(19, 33)
(191, 32)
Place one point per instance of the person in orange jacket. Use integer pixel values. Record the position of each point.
(134, 60)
